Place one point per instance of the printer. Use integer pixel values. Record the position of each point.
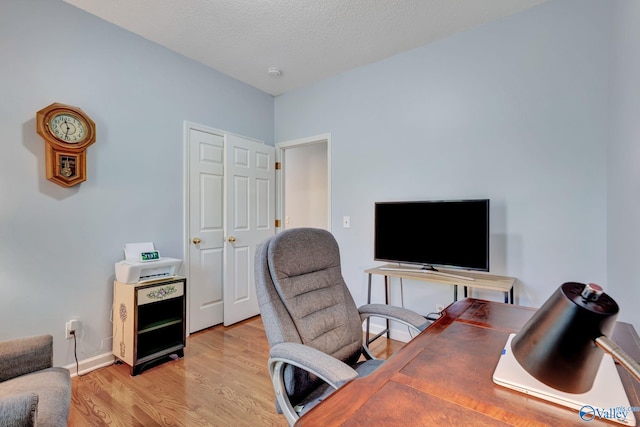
(143, 263)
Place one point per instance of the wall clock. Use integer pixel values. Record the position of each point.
(67, 132)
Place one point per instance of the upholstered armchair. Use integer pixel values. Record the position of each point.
(312, 324)
(32, 392)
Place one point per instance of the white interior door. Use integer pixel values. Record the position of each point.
(250, 218)
(206, 229)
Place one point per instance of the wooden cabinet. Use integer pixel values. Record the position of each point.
(149, 321)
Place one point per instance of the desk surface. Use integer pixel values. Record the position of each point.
(444, 377)
(481, 280)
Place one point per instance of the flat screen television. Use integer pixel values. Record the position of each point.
(444, 233)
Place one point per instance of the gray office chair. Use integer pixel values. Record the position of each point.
(312, 323)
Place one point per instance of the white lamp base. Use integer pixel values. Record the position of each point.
(606, 400)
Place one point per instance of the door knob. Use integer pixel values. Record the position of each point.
(196, 240)
(231, 239)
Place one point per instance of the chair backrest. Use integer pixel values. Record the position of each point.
(303, 298)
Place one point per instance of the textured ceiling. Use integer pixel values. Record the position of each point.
(309, 40)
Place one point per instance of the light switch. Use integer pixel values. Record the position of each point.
(346, 222)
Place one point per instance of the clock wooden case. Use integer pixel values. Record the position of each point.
(67, 132)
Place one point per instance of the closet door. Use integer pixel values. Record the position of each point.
(249, 219)
(205, 205)
(230, 210)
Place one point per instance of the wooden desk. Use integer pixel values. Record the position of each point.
(443, 377)
(480, 280)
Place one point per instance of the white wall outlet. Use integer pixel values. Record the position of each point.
(346, 222)
(71, 326)
(439, 308)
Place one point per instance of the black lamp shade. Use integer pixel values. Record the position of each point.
(557, 345)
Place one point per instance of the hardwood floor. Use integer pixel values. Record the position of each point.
(223, 380)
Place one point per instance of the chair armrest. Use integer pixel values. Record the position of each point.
(19, 410)
(332, 371)
(398, 314)
(25, 355)
(402, 315)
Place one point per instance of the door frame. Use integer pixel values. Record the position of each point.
(281, 147)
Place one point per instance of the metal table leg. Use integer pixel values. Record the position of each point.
(387, 297)
(368, 302)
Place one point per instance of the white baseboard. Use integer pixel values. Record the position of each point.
(106, 359)
(91, 364)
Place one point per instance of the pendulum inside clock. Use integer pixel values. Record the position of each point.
(67, 166)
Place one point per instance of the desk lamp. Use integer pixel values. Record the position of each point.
(562, 353)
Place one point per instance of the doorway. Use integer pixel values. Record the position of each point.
(304, 198)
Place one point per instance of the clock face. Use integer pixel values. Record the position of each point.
(68, 128)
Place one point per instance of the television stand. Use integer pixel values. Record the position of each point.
(428, 270)
(468, 279)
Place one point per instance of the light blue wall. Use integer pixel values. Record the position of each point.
(537, 111)
(623, 172)
(515, 111)
(58, 246)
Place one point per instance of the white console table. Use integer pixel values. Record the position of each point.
(455, 278)
(466, 279)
